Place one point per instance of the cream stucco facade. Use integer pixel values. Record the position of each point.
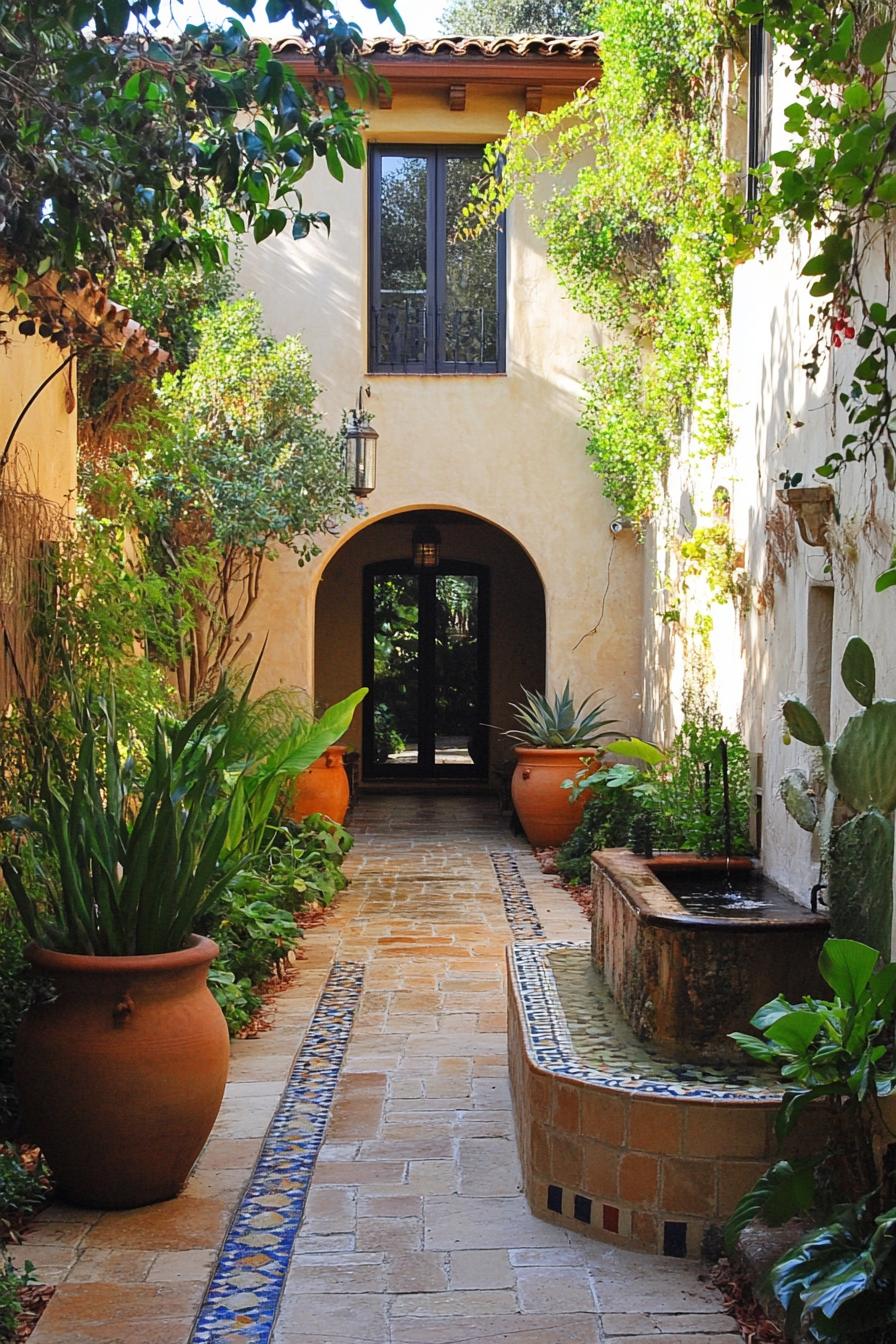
(43, 456)
(505, 449)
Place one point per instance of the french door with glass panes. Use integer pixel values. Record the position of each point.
(426, 664)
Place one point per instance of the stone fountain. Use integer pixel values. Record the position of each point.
(638, 1122)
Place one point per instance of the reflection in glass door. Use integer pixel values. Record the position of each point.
(425, 656)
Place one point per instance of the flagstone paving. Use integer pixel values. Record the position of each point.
(415, 1230)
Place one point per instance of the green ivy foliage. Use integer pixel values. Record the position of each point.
(835, 184)
(640, 237)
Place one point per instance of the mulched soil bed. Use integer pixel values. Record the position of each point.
(270, 989)
(33, 1301)
(740, 1303)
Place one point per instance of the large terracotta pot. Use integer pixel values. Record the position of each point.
(121, 1076)
(542, 804)
(323, 787)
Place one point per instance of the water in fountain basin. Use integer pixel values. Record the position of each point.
(738, 896)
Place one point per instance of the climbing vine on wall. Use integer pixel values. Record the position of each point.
(836, 183)
(639, 239)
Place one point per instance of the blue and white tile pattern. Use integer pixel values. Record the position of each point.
(242, 1298)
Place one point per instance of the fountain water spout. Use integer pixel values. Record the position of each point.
(726, 798)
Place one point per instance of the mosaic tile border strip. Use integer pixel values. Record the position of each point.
(518, 905)
(242, 1298)
(550, 1045)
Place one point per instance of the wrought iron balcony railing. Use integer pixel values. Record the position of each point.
(408, 336)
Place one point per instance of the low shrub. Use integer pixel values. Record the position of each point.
(12, 1282)
(606, 822)
(23, 1189)
(254, 920)
(19, 988)
(673, 800)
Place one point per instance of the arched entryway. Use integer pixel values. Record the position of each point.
(444, 648)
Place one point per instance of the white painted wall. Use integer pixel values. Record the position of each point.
(757, 659)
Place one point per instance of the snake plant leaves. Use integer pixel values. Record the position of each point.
(858, 671)
(863, 762)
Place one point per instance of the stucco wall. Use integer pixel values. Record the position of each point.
(781, 420)
(44, 458)
(506, 448)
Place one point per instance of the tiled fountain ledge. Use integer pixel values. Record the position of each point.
(416, 1230)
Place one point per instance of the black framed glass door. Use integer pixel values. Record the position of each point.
(426, 663)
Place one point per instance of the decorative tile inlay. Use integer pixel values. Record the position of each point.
(242, 1297)
(615, 1057)
(521, 913)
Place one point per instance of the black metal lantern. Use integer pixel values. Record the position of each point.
(427, 542)
(359, 448)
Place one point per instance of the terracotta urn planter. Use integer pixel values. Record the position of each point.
(121, 1076)
(323, 787)
(542, 804)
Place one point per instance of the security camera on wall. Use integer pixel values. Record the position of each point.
(620, 525)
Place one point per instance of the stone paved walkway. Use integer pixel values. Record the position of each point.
(415, 1231)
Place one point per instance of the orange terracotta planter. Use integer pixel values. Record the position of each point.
(121, 1076)
(323, 787)
(542, 804)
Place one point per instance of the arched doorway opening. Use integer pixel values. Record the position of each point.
(444, 649)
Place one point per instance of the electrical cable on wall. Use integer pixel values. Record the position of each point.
(614, 532)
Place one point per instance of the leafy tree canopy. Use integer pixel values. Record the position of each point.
(495, 18)
(108, 132)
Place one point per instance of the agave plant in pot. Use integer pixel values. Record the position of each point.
(121, 1075)
(555, 737)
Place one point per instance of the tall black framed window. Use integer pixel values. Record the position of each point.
(437, 295)
(759, 97)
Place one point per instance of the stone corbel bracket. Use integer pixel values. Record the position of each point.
(814, 509)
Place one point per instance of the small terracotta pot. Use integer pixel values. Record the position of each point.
(121, 1076)
(542, 804)
(323, 787)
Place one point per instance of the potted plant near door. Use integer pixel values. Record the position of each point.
(555, 737)
(324, 786)
(121, 1075)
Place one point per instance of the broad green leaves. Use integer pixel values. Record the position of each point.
(212, 120)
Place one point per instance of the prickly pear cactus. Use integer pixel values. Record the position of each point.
(859, 769)
(860, 880)
(799, 799)
(863, 762)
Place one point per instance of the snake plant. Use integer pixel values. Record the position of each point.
(559, 722)
(123, 867)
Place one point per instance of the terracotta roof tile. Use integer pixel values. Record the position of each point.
(526, 46)
(85, 303)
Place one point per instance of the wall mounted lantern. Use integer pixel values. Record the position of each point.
(427, 543)
(359, 448)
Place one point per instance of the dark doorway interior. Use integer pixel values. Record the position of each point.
(509, 625)
(426, 644)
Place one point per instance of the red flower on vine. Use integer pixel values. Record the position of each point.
(842, 328)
